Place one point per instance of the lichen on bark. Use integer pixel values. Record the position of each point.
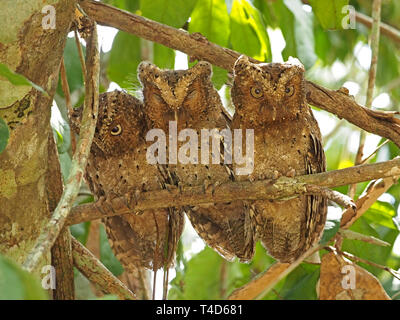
(35, 52)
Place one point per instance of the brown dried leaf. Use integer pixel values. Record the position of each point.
(341, 279)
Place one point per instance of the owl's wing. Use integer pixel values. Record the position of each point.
(316, 205)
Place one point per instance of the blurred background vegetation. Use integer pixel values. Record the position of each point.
(268, 31)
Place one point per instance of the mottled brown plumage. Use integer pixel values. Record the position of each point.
(189, 97)
(270, 98)
(116, 167)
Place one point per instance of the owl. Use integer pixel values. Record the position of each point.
(117, 167)
(188, 99)
(270, 99)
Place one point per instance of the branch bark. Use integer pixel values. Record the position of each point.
(96, 272)
(61, 253)
(365, 201)
(198, 47)
(281, 188)
(35, 52)
(51, 231)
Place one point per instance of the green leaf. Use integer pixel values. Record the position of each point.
(18, 79)
(301, 283)
(211, 19)
(249, 35)
(81, 231)
(17, 284)
(329, 13)
(163, 57)
(300, 33)
(125, 57)
(173, 13)
(128, 5)
(72, 66)
(4, 135)
(368, 251)
(331, 226)
(201, 279)
(107, 256)
(382, 213)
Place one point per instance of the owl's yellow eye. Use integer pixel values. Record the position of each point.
(256, 92)
(289, 90)
(117, 130)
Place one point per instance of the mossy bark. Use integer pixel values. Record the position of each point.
(35, 52)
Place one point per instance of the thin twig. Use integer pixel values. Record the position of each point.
(349, 234)
(335, 196)
(67, 95)
(80, 52)
(386, 29)
(97, 273)
(375, 151)
(352, 257)
(52, 229)
(374, 42)
(373, 191)
(264, 282)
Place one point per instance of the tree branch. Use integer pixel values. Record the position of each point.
(385, 29)
(281, 188)
(52, 229)
(365, 201)
(96, 272)
(264, 282)
(198, 47)
(374, 43)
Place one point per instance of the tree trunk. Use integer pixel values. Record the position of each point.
(28, 47)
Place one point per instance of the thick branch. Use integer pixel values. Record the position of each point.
(96, 272)
(344, 106)
(197, 46)
(281, 188)
(51, 231)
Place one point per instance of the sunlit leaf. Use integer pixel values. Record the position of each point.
(303, 33)
(248, 33)
(382, 213)
(211, 19)
(173, 13)
(17, 284)
(330, 13)
(18, 79)
(124, 59)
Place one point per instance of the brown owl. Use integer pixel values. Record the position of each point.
(270, 99)
(116, 167)
(188, 98)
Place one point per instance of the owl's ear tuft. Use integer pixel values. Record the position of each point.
(296, 62)
(241, 63)
(146, 70)
(204, 67)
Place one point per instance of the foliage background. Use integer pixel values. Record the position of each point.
(268, 31)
